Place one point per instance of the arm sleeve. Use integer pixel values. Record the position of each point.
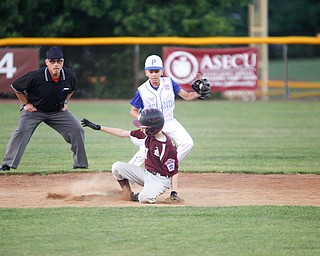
(138, 134)
(137, 101)
(74, 83)
(176, 87)
(137, 137)
(22, 83)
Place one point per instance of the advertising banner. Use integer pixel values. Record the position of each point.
(225, 68)
(14, 63)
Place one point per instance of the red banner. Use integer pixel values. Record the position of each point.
(225, 68)
(15, 63)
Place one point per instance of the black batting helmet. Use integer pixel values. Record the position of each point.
(150, 119)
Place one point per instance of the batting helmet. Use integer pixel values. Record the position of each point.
(150, 119)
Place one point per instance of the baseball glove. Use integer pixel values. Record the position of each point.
(87, 123)
(202, 87)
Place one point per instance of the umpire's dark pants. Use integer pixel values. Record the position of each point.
(63, 122)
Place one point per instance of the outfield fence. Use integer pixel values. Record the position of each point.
(113, 67)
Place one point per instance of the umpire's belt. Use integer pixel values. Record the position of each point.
(157, 173)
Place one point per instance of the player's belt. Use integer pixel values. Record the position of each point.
(156, 173)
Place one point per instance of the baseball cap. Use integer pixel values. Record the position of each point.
(54, 53)
(153, 62)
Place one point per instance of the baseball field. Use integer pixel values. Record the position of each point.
(251, 185)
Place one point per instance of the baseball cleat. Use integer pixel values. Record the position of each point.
(134, 197)
(5, 167)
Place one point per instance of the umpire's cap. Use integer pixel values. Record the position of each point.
(54, 53)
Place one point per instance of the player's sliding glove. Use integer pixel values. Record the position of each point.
(174, 196)
(87, 123)
(202, 87)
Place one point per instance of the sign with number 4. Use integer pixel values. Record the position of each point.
(14, 63)
(6, 65)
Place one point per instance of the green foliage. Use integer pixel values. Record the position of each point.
(81, 18)
(53, 19)
(184, 231)
(256, 137)
(286, 19)
(178, 18)
(98, 18)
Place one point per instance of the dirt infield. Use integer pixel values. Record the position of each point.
(101, 190)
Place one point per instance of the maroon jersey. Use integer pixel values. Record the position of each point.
(161, 156)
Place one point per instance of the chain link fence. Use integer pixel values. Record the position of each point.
(115, 71)
(294, 72)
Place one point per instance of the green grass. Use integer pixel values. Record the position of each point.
(150, 230)
(256, 137)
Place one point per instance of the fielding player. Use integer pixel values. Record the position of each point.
(159, 92)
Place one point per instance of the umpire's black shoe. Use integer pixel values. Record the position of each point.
(5, 167)
(80, 167)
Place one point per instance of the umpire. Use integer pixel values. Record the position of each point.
(44, 95)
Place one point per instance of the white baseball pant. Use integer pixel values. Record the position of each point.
(153, 185)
